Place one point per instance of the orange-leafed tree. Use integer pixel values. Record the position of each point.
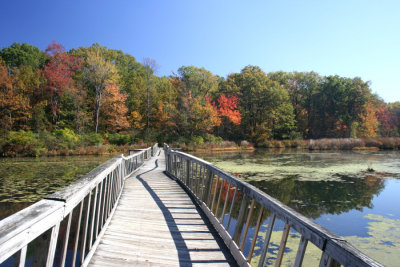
(135, 119)
(196, 115)
(164, 121)
(114, 112)
(14, 108)
(369, 122)
(228, 107)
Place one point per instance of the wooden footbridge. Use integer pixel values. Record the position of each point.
(165, 208)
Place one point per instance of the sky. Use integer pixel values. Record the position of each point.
(350, 38)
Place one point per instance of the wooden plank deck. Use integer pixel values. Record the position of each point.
(157, 224)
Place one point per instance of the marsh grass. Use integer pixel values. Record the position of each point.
(336, 143)
(215, 146)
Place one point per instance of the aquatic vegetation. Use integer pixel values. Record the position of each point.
(383, 244)
(27, 180)
(308, 166)
(334, 188)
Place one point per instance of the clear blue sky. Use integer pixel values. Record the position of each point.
(345, 37)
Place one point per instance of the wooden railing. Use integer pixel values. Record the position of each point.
(220, 194)
(65, 227)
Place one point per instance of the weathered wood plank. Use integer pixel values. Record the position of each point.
(18, 230)
(157, 223)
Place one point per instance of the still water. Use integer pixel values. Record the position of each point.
(355, 195)
(24, 181)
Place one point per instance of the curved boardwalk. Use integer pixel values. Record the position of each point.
(156, 223)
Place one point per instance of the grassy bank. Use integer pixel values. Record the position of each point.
(337, 144)
(215, 146)
(357, 144)
(65, 143)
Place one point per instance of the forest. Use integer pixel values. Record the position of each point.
(61, 100)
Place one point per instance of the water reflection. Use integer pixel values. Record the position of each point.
(314, 199)
(314, 184)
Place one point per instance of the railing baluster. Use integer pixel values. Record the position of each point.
(104, 203)
(66, 239)
(83, 241)
(215, 192)
(240, 220)
(230, 210)
(113, 190)
(282, 246)
(253, 242)
(176, 165)
(225, 204)
(22, 256)
(197, 180)
(191, 169)
(93, 217)
(219, 197)
(194, 176)
(78, 228)
(52, 246)
(182, 169)
(188, 173)
(253, 202)
(202, 182)
(209, 182)
(110, 183)
(268, 234)
(300, 251)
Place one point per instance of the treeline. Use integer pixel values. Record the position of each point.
(99, 92)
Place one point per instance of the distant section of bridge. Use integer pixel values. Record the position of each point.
(156, 223)
(167, 208)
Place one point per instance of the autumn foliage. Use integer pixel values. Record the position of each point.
(97, 95)
(228, 107)
(58, 73)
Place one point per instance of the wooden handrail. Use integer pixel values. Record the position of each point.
(202, 179)
(91, 201)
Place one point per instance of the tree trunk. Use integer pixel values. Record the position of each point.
(98, 102)
(148, 101)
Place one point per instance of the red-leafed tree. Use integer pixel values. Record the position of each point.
(58, 72)
(114, 112)
(387, 121)
(227, 107)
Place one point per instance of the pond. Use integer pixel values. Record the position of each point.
(353, 194)
(24, 181)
